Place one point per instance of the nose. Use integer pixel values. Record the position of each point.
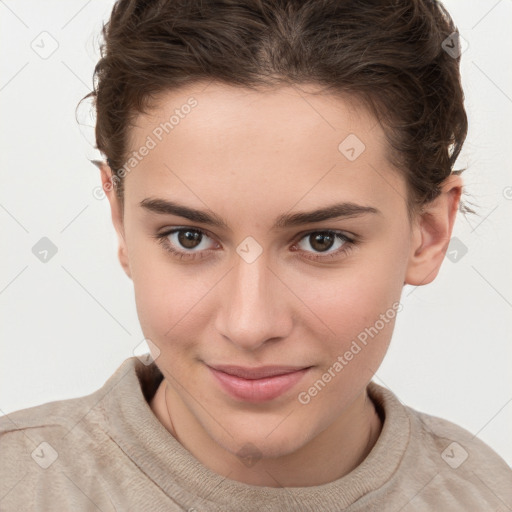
(253, 306)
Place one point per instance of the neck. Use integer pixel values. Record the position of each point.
(332, 454)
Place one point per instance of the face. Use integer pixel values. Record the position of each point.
(267, 283)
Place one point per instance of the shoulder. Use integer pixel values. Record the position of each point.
(49, 449)
(440, 466)
(452, 443)
(461, 467)
(55, 420)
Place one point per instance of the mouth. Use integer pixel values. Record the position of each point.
(258, 384)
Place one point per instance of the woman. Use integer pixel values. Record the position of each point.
(277, 171)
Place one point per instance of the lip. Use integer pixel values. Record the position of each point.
(257, 384)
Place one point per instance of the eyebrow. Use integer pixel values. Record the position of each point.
(334, 211)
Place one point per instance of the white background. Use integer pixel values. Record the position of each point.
(69, 323)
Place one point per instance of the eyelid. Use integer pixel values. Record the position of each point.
(174, 229)
(166, 233)
(349, 243)
(296, 238)
(342, 232)
(162, 239)
(350, 240)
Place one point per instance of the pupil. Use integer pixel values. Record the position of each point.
(188, 239)
(321, 242)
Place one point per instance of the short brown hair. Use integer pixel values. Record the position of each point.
(387, 53)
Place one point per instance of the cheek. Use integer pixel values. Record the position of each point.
(168, 296)
(349, 300)
(357, 306)
(360, 311)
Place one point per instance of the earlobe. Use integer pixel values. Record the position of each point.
(431, 234)
(116, 214)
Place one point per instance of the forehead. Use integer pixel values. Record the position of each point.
(279, 144)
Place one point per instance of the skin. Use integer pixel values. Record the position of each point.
(250, 157)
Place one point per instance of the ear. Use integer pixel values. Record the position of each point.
(431, 233)
(107, 183)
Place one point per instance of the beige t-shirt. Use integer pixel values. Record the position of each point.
(107, 451)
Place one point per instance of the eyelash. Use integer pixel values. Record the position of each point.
(345, 250)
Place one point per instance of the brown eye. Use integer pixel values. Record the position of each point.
(318, 245)
(187, 242)
(321, 241)
(189, 239)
